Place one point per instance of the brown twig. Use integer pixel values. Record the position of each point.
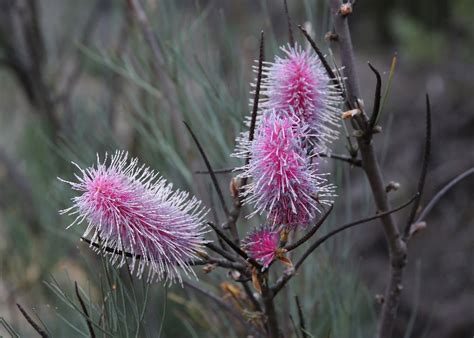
(424, 170)
(396, 244)
(291, 38)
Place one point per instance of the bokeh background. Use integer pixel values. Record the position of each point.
(80, 77)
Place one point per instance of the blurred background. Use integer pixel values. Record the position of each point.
(84, 77)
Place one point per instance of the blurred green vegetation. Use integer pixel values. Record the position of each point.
(127, 99)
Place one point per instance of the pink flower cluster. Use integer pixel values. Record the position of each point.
(284, 182)
(297, 119)
(129, 209)
(299, 85)
(262, 245)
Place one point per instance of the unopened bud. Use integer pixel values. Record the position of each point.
(234, 187)
(377, 130)
(331, 36)
(392, 186)
(345, 9)
(379, 299)
(416, 227)
(209, 268)
(350, 113)
(234, 274)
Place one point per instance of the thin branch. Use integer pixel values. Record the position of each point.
(256, 98)
(252, 298)
(234, 247)
(281, 282)
(320, 54)
(217, 171)
(237, 205)
(220, 251)
(310, 233)
(301, 318)
(443, 192)
(377, 97)
(35, 326)
(209, 168)
(344, 158)
(347, 53)
(223, 264)
(86, 313)
(291, 38)
(350, 225)
(111, 250)
(231, 264)
(424, 169)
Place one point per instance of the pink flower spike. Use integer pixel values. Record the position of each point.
(262, 245)
(129, 208)
(298, 84)
(284, 182)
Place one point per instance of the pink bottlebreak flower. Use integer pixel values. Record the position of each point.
(284, 182)
(130, 209)
(262, 245)
(298, 84)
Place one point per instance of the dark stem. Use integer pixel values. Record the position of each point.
(111, 250)
(217, 171)
(220, 251)
(304, 334)
(315, 47)
(230, 264)
(86, 313)
(235, 212)
(424, 170)
(234, 247)
(443, 192)
(209, 168)
(344, 158)
(291, 39)
(310, 233)
(35, 326)
(377, 97)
